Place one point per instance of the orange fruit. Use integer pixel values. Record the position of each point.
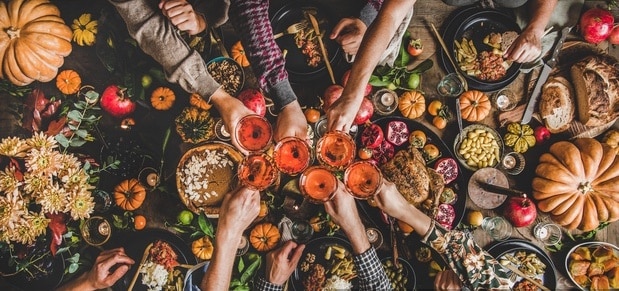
(365, 153)
(439, 122)
(405, 228)
(139, 222)
(264, 209)
(475, 218)
(434, 107)
(312, 115)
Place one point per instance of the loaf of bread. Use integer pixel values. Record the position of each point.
(556, 105)
(596, 83)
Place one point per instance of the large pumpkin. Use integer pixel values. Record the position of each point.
(264, 237)
(412, 104)
(33, 41)
(129, 194)
(474, 105)
(578, 183)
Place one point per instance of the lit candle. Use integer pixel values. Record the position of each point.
(152, 179)
(387, 99)
(509, 162)
(502, 101)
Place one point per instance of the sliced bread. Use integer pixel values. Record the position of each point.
(557, 104)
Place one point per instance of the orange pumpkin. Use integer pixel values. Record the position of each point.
(412, 104)
(474, 105)
(264, 237)
(202, 248)
(162, 98)
(196, 100)
(238, 54)
(33, 41)
(578, 183)
(129, 194)
(68, 82)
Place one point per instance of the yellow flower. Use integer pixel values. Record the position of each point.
(81, 205)
(43, 162)
(35, 184)
(13, 147)
(41, 141)
(53, 199)
(12, 210)
(8, 180)
(84, 30)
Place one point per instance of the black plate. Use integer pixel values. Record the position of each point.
(296, 63)
(459, 185)
(318, 247)
(408, 271)
(512, 245)
(137, 242)
(475, 23)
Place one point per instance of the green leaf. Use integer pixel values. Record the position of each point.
(423, 66)
(75, 142)
(62, 250)
(81, 133)
(74, 115)
(241, 288)
(250, 271)
(234, 283)
(73, 267)
(166, 138)
(403, 57)
(92, 96)
(62, 140)
(79, 105)
(205, 225)
(241, 265)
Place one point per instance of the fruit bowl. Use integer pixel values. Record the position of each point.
(480, 147)
(575, 255)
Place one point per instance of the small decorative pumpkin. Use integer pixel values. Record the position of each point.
(202, 248)
(196, 100)
(474, 105)
(33, 41)
(84, 30)
(162, 98)
(412, 104)
(238, 54)
(68, 82)
(264, 237)
(195, 125)
(611, 138)
(129, 194)
(520, 137)
(578, 183)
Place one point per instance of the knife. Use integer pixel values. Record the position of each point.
(543, 76)
(500, 190)
(322, 46)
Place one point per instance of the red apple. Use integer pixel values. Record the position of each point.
(541, 134)
(116, 102)
(332, 93)
(368, 87)
(520, 211)
(253, 100)
(614, 35)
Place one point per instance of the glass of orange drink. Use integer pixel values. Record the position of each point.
(317, 184)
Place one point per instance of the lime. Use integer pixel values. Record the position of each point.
(185, 217)
(146, 80)
(413, 81)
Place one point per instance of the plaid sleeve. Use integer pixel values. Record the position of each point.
(370, 271)
(263, 285)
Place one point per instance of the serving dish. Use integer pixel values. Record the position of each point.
(404, 272)
(215, 160)
(232, 78)
(488, 147)
(573, 254)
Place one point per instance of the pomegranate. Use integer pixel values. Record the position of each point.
(448, 168)
(366, 110)
(383, 153)
(596, 25)
(446, 215)
(372, 136)
(520, 211)
(332, 93)
(368, 87)
(115, 101)
(614, 35)
(541, 134)
(397, 132)
(254, 100)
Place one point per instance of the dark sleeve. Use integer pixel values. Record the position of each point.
(369, 11)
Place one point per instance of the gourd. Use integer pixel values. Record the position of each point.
(474, 105)
(33, 41)
(162, 98)
(578, 183)
(238, 54)
(129, 194)
(611, 138)
(202, 248)
(412, 104)
(195, 125)
(68, 82)
(520, 137)
(264, 237)
(196, 100)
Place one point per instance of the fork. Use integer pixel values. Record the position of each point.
(292, 29)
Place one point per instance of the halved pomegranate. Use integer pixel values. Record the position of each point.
(372, 136)
(383, 153)
(447, 167)
(446, 215)
(397, 132)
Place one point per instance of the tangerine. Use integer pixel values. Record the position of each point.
(139, 222)
(434, 107)
(312, 115)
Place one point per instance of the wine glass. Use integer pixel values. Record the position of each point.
(335, 150)
(257, 171)
(254, 133)
(292, 155)
(363, 179)
(96, 231)
(317, 184)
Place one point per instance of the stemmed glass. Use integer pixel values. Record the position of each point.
(257, 171)
(363, 179)
(292, 155)
(96, 231)
(254, 133)
(318, 184)
(335, 150)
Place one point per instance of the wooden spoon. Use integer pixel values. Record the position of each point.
(137, 272)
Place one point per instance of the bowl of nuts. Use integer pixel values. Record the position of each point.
(478, 146)
(228, 73)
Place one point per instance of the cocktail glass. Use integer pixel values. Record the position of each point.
(254, 133)
(292, 155)
(335, 150)
(257, 171)
(317, 184)
(96, 231)
(362, 179)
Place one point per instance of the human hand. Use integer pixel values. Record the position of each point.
(182, 15)
(343, 211)
(526, 48)
(447, 280)
(341, 114)
(390, 201)
(282, 262)
(291, 122)
(232, 110)
(99, 277)
(349, 33)
(238, 210)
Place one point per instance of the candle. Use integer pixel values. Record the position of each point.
(509, 162)
(387, 99)
(502, 101)
(152, 179)
(372, 235)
